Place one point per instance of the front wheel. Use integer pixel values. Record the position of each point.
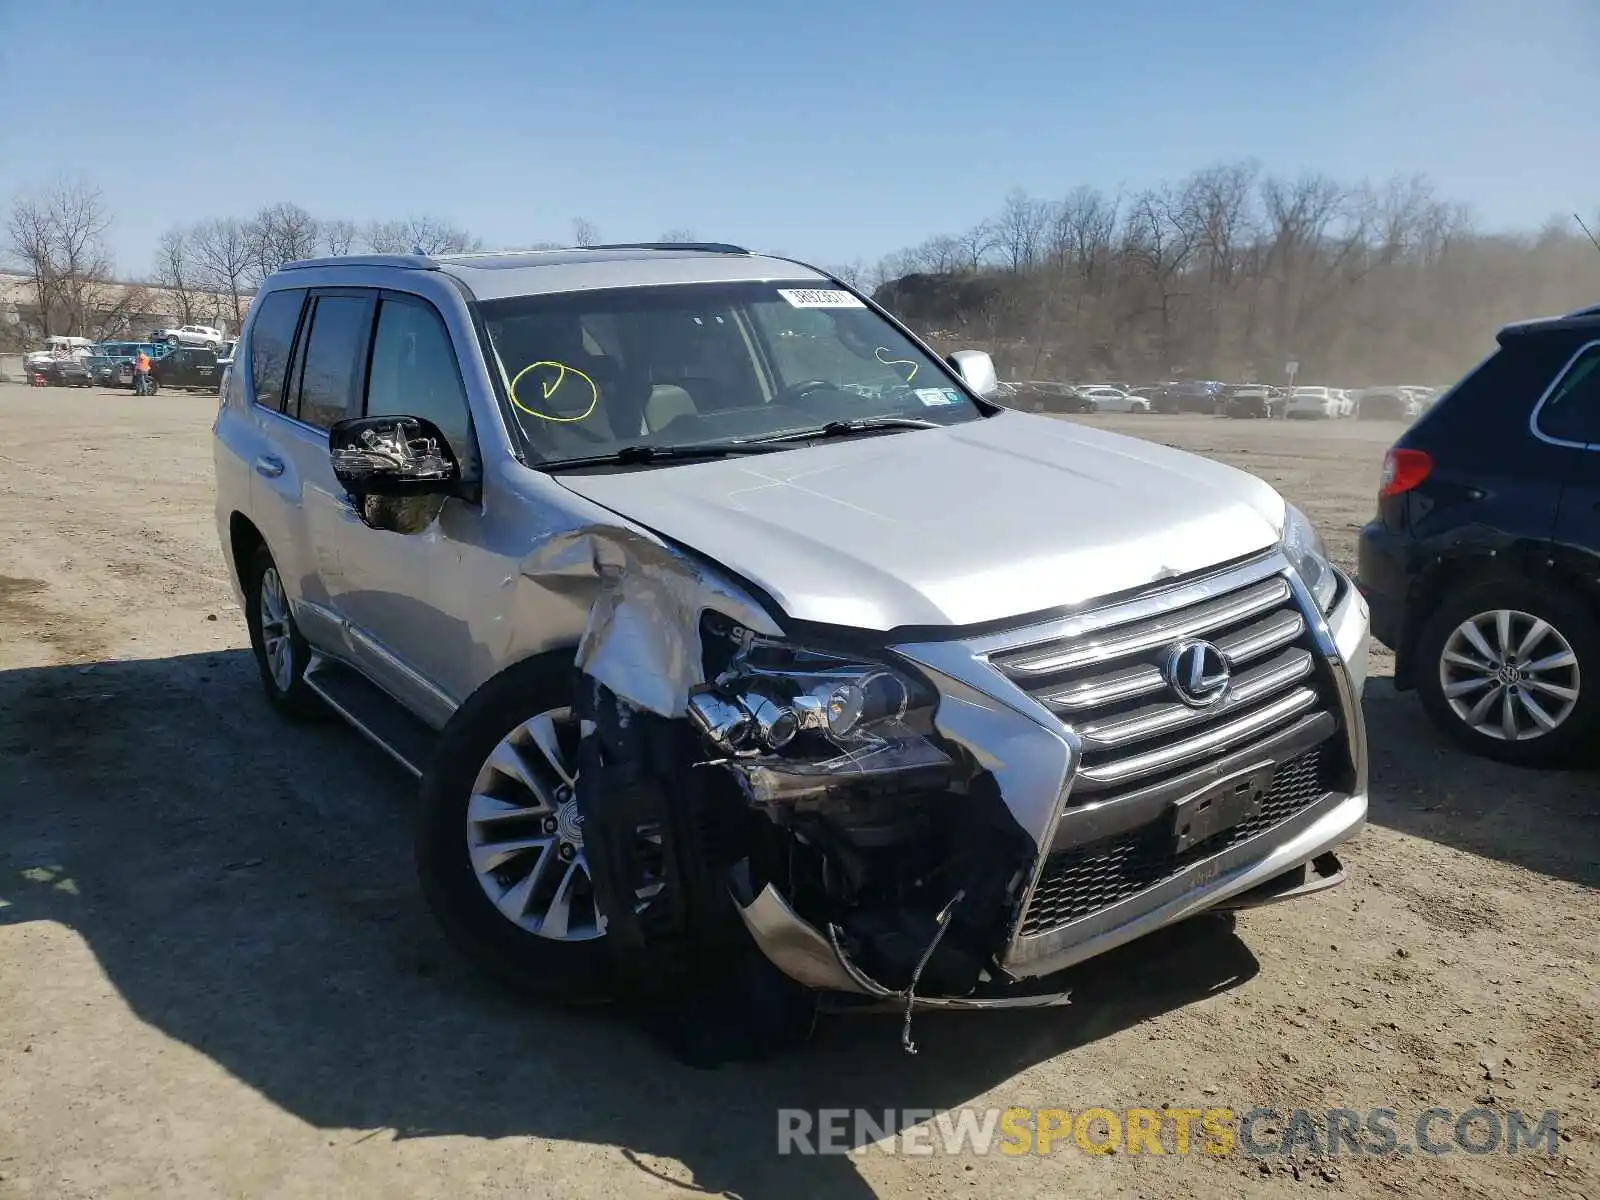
(1511, 670)
(499, 843)
(173, 341)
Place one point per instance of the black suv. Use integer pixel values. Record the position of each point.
(188, 367)
(1482, 567)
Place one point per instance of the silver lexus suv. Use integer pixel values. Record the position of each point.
(724, 622)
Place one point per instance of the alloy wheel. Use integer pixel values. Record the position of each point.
(525, 833)
(1509, 675)
(275, 632)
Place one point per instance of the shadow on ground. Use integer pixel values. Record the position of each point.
(1546, 821)
(246, 886)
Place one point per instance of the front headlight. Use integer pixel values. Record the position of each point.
(1303, 547)
(795, 720)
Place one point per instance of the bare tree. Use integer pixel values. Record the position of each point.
(1019, 230)
(974, 244)
(418, 234)
(176, 271)
(225, 254)
(584, 232)
(338, 236)
(58, 234)
(280, 234)
(853, 273)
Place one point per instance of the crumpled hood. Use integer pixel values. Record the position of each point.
(977, 522)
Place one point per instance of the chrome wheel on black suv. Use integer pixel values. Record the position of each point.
(1502, 667)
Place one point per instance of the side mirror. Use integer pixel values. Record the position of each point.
(398, 470)
(977, 371)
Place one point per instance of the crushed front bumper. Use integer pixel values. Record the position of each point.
(1036, 759)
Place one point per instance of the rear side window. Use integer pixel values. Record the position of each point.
(271, 339)
(1571, 412)
(336, 350)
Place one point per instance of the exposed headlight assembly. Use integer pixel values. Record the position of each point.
(1303, 547)
(794, 721)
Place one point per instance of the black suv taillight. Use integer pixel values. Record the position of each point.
(1403, 470)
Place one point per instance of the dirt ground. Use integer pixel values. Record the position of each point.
(217, 977)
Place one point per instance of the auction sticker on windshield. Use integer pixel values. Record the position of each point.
(820, 298)
(936, 397)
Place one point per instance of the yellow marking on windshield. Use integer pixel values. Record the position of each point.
(895, 362)
(548, 389)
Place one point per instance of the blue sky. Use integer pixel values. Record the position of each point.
(832, 130)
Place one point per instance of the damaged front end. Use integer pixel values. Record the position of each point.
(889, 866)
(740, 789)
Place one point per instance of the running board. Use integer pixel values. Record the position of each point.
(373, 713)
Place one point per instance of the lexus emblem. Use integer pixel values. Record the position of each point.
(1198, 672)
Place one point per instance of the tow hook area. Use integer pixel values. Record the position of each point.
(1323, 872)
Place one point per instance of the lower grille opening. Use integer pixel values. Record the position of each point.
(1087, 878)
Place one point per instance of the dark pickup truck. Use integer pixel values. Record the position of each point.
(190, 367)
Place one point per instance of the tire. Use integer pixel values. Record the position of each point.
(575, 969)
(211, 344)
(173, 341)
(285, 685)
(1574, 630)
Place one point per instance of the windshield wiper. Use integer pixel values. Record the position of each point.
(640, 455)
(847, 428)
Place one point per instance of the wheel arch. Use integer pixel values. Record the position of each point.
(244, 539)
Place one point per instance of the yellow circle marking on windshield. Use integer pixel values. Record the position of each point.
(547, 390)
(895, 362)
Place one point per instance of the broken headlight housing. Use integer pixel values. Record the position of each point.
(1303, 547)
(797, 721)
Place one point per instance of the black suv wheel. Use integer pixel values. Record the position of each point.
(1510, 669)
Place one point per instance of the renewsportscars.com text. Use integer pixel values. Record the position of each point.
(1255, 1132)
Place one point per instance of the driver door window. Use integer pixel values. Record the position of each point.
(414, 373)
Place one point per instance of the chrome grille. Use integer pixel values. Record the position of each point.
(1108, 683)
(1081, 880)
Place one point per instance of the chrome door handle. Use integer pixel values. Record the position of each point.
(269, 466)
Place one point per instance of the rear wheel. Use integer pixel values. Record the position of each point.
(1511, 670)
(282, 655)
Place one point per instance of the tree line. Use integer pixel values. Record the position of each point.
(1231, 273)
(1228, 273)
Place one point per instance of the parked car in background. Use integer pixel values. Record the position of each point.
(1313, 402)
(69, 371)
(1049, 396)
(1188, 396)
(1256, 400)
(192, 335)
(1482, 566)
(55, 350)
(1114, 400)
(1386, 404)
(190, 368)
(112, 363)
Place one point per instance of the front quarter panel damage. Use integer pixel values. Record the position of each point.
(642, 639)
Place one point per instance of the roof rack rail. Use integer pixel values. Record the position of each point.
(698, 247)
(412, 262)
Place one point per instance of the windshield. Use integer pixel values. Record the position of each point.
(691, 364)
